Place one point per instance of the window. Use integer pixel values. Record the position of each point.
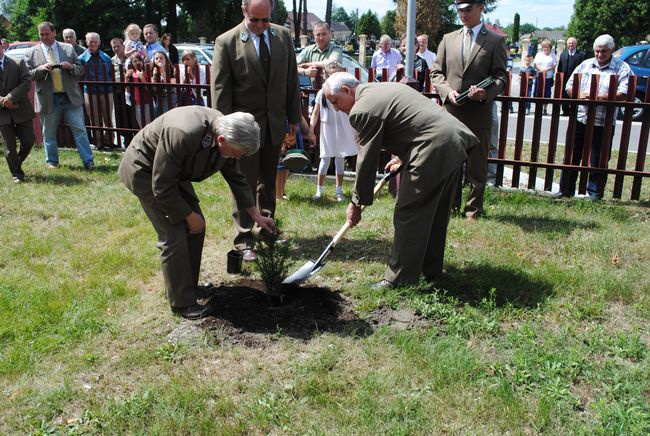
(636, 58)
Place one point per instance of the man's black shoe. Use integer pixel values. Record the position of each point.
(560, 195)
(195, 311)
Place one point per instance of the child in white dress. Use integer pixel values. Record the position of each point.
(337, 139)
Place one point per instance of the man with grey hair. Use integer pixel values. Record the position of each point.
(429, 144)
(603, 66)
(385, 58)
(98, 99)
(569, 60)
(70, 37)
(188, 144)
(5, 43)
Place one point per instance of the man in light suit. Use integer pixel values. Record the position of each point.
(188, 144)
(569, 61)
(254, 70)
(431, 146)
(465, 58)
(57, 70)
(16, 114)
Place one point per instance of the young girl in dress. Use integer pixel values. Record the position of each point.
(141, 96)
(337, 139)
(132, 44)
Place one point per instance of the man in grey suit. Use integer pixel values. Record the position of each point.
(467, 57)
(430, 145)
(57, 70)
(16, 114)
(188, 144)
(254, 70)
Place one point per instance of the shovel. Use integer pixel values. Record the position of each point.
(310, 268)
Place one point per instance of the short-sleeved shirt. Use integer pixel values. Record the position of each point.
(389, 59)
(314, 54)
(590, 67)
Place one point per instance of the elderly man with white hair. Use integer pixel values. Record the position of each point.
(70, 37)
(188, 144)
(431, 146)
(603, 66)
(98, 99)
(385, 58)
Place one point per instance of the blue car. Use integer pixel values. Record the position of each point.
(638, 58)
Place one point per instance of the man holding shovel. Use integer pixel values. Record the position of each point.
(430, 145)
(188, 144)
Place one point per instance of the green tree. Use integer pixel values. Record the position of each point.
(515, 28)
(369, 24)
(339, 14)
(626, 20)
(354, 19)
(388, 23)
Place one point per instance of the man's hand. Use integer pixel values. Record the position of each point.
(66, 65)
(452, 98)
(353, 214)
(267, 223)
(476, 93)
(195, 223)
(393, 164)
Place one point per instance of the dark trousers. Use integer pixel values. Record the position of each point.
(260, 170)
(597, 179)
(476, 172)
(15, 158)
(180, 251)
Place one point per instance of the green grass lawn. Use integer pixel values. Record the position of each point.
(541, 323)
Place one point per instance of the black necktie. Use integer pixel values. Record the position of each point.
(265, 56)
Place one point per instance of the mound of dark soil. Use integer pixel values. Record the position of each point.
(247, 315)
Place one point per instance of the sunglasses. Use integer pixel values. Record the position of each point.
(265, 20)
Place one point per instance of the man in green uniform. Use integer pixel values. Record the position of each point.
(185, 145)
(430, 144)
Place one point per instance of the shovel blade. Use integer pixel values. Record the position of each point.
(302, 274)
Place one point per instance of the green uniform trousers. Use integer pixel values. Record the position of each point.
(420, 220)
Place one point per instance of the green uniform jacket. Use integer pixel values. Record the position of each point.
(174, 150)
(238, 82)
(430, 142)
(487, 58)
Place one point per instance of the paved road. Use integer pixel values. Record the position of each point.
(546, 125)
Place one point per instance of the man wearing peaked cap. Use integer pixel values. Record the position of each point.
(465, 58)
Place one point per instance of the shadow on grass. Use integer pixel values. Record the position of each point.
(58, 179)
(373, 250)
(545, 224)
(242, 309)
(474, 283)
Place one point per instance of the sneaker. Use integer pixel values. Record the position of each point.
(317, 197)
(52, 166)
(89, 166)
(340, 198)
(17, 180)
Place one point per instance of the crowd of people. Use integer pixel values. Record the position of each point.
(435, 148)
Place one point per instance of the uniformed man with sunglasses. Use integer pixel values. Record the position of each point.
(254, 70)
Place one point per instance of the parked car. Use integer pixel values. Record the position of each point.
(18, 50)
(638, 58)
(204, 52)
